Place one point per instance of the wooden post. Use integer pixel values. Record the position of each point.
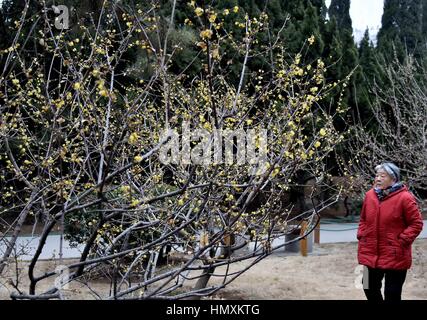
(304, 241)
(317, 233)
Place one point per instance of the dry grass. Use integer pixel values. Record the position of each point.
(327, 273)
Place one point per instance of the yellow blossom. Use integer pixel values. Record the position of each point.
(103, 93)
(226, 12)
(198, 11)
(207, 126)
(229, 197)
(133, 138)
(125, 189)
(137, 158)
(215, 53)
(100, 51)
(134, 203)
(317, 144)
(311, 40)
(212, 18)
(202, 45)
(206, 34)
(100, 84)
(77, 86)
(298, 71)
(59, 103)
(236, 9)
(322, 132)
(275, 172)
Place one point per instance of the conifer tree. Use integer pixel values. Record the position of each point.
(343, 50)
(369, 76)
(401, 29)
(340, 9)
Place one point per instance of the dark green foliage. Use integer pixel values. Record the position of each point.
(369, 76)
(401, 30)
(333, 49)
(311, 27)
(340, 9)
(424, 25)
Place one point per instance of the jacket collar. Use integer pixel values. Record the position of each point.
(404, 188)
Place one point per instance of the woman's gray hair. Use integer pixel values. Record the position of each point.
(391, 169)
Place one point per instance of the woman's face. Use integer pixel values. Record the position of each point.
(383, 180)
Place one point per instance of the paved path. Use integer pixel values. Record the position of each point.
(27, 246)
(329, 233)
(346, 232)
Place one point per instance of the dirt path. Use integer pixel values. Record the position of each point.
(329, 272)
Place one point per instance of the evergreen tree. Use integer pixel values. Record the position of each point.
(277, 13)
(310, 27)
(340, 9)
(293, 38)
(369, 74)
(367, 57)
(401, 29)
(333, 49)
(424, 24)
(342, 55)
(4, 39)
(411, 27)
(306, 20)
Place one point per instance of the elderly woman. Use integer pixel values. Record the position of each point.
(390, 221)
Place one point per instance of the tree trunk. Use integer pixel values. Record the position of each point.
(11, 244)
(202, 282)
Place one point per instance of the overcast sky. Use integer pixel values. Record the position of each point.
(365, 13)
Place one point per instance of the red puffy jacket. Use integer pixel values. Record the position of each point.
(387, 230)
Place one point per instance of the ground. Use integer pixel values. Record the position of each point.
(329, 272)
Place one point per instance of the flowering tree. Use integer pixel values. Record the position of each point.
(397, 130)
(167, 167)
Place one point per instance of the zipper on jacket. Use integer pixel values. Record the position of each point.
(378, 233)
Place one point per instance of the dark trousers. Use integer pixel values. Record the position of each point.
(393, 283)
